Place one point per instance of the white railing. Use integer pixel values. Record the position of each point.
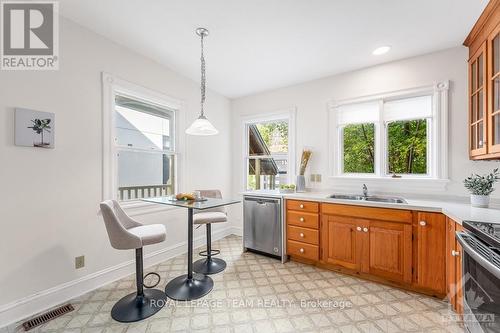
(144, 191)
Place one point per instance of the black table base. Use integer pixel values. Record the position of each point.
(209, 266)
(183, 288)
(191, 285)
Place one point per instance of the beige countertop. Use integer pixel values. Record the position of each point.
(454, 209)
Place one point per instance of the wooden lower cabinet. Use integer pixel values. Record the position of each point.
(431, 249)
(454, 287)
(403, 248)
(302, 230)
(373, 247)
(390, 250)
(341, 241)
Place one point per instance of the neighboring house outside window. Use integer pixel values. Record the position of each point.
(145, 149)
(140, 147)
(268, 149)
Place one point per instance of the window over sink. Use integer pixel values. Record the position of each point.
(394, 135)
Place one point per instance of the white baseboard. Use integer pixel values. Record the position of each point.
(238, 231)
(28, 306)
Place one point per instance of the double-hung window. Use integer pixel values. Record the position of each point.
(393, 136)
(145, 148)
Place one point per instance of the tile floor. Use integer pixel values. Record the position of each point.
(259, 294)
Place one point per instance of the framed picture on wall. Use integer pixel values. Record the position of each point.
(34, 128)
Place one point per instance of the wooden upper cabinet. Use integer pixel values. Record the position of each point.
(477, 102)
(484, 84)
(431, 248)
(494, 91)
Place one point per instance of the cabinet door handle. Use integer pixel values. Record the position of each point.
(358, 228)
(423, 223)
(301, 219)
(365, 229)
(301, 235)
(455, 253)
(301, 250)
(301, 206)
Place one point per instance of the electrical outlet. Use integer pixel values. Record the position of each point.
(318, 178)
(312, 177)
(79, 262)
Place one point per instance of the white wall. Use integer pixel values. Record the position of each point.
(49, 199)
(310, 100)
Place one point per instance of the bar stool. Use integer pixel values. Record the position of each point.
(126, 234)
(210, 265)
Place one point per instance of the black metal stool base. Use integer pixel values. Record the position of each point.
(183, 289)
(132, 308)
(209, 266)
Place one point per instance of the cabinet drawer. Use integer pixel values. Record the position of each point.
(371, 213)
(306, 220)
(304, 206)
(303, 250)
(303, 235)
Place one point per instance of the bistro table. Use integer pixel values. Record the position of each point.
(191, 285)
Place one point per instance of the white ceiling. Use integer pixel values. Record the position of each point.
(257, 45)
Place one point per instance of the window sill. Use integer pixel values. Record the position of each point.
(139, 207)
(388, 184)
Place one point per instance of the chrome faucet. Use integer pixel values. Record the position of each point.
(365, 190)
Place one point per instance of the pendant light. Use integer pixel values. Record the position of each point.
(202, 126)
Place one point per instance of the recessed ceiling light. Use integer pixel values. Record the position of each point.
(381, 50)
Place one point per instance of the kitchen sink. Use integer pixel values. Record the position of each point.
(372, 198)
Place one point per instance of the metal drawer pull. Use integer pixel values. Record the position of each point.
(455, 253)
(365, 229)
(358, 228)
(301, 219)
(302, 235)
(301, 250)
(423, 223)
(301, 206)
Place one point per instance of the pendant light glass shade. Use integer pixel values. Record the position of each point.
(201, 126)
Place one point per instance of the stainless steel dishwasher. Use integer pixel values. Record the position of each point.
(262, 227)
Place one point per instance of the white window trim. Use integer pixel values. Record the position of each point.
(290, 114)
(438, 170)
(111, 86)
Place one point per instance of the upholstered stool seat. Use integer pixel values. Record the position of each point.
(149, 234)
(210, 265)
(209, 217)
(126, 234)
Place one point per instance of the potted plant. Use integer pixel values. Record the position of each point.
(481, 187)
(40, 126)
(287, 188)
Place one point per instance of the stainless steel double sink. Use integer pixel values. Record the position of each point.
(372, 198)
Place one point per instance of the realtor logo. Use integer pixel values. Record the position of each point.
(29, 35)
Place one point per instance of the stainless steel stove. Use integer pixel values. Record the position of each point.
(481, 276)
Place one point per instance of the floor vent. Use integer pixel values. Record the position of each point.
(46, 317)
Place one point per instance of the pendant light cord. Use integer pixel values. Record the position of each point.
(203, 77)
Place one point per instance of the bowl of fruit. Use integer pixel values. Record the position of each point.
(184, 197)
(287, 188)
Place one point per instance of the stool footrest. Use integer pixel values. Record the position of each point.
(212, 253)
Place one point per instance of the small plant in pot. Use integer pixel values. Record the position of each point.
(481, 187)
